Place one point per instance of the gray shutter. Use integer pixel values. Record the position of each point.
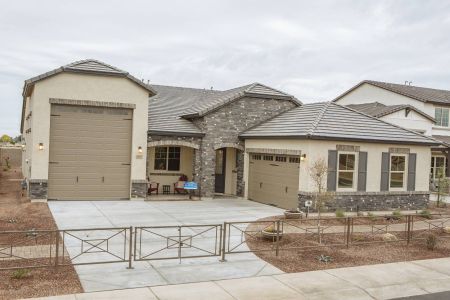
(411, 186)
(332, 167)
(384, 184)
(362, 171)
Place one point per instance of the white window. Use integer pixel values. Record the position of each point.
(346, 179)
(438, 164)
(441, 115)
(397, 174)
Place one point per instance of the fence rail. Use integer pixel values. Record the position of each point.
(52, 248)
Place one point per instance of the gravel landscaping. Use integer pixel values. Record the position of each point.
(19, 214)
(367, 248)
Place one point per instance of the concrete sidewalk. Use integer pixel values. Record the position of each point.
(385, 281)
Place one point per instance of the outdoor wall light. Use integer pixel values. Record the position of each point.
(303, 157)
(41, 146)
(140, 150)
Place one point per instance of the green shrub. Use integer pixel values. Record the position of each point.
(426, 214)
(325, 258)
(397, 213)
(371, 216)
(432, 241)
(20, 273)
(340, 213)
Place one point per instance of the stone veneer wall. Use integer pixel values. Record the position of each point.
(371, 201)
(37, 189)
(138, 189)
(223, 126)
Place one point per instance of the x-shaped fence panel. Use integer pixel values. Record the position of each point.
(177, 242)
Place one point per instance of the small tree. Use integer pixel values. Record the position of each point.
(5, 139)
(318, 172)
(442, 186)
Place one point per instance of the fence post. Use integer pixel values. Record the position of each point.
(408, 233)
(348, 232)
(179, 244)
(130, 246)
(277, 246)
(224, 239)
(57, 248)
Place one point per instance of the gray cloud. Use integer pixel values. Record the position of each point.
(312, 49)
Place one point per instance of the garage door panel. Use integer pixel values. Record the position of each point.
(93, 143)
(274, 182)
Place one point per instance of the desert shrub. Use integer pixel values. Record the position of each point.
(20, 273)
(397, 213)
(426, 214)
(431, 241)
(340, 213)
(371, 216)
(325, 258)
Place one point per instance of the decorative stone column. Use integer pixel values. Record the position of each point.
(240, 173)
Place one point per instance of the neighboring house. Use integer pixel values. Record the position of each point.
(421, 109)
(371, 164)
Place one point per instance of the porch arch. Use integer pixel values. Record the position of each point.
(229, 145)
(173, 143)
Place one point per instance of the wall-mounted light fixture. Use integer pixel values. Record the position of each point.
(303, 157)
(140, 150)
(41, 146)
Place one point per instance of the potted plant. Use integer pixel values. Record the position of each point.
(270, 233)
(293, 213)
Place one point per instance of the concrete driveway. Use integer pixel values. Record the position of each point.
(105, 214)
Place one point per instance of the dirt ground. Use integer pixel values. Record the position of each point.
(359, 253)
(17, 213)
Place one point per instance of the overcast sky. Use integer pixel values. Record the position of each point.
(314, 50)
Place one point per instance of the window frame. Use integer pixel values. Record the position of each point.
(405, 172)
(355, 172)
(433, 165)
(442, 109)
(167, 158)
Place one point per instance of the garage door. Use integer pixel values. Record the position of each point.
(90, 153)
(274, 179)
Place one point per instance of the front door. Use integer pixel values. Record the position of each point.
(221, 155)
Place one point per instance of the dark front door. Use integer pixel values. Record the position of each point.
(220, 170)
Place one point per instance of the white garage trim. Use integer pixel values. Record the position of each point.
(92, 103)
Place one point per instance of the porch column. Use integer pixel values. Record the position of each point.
(240, 173)
(197, 169)
(447, 169)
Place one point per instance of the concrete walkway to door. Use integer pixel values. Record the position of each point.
(104, 214)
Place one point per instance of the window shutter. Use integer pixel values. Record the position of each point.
(384, 184)
(362, 171)
(332, 167)
(411, 186)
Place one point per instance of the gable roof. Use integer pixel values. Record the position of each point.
(90, 66)
(422, 94)
(331, 121)
(378, 110)
(170, 110)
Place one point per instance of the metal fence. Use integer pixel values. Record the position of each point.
(52, 248)
(177, 242)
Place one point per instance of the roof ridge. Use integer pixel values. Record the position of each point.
(79, 62)
(187, 88)
(399, 84)
(315, 123)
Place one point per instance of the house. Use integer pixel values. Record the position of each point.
(372, 164)
(94, 132)
(421, 109)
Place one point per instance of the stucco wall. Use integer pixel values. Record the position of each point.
(315, 150)
(413, 121)
(169, 177)
(85, 87)
(367, 93)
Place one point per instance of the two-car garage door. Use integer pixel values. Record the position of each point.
(274, 179)
(90, 153)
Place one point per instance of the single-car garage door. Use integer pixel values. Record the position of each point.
(274, 179)
(90, 153)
